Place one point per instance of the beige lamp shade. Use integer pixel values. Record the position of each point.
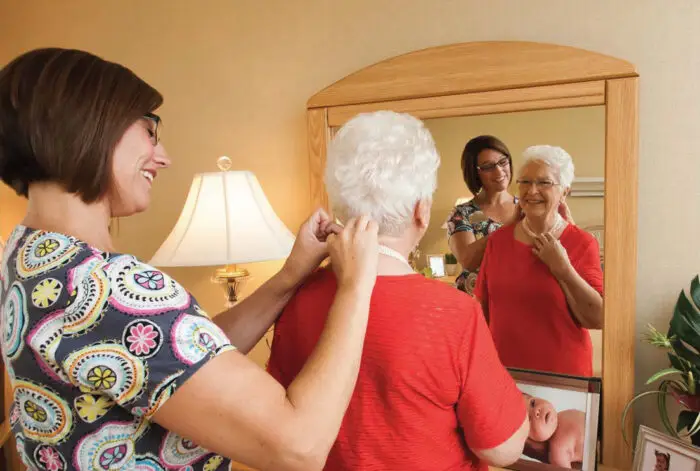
(226, 220)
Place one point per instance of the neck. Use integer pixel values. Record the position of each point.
(489, 198)
(52, 209)
(540, 225)
(403, 245)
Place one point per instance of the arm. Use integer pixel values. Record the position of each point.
(491, 409)
(247, 322)
(467, 249)
(249, 417)
(481, 291)
(585, 303)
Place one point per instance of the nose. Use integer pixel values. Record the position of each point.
(161, 157)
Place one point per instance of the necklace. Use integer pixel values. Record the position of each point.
(389, 252)
(558, 223)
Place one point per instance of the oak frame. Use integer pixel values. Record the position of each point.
(503, 76)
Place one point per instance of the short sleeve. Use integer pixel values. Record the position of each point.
(490, 408)
(458, 221)
(132, 334)
(588, 265)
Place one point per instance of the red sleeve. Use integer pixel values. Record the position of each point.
(490, 408)
(588, 265)
(276, 365)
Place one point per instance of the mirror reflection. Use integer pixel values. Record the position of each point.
(518, 218)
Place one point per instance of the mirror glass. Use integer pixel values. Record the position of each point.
(579, 131)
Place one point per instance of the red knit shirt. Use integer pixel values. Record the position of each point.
(429, 378)
(529, 317)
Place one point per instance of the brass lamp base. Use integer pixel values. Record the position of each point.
(232, 279)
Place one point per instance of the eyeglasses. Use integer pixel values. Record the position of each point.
(540, 184)
(154, 132)
(503, 163)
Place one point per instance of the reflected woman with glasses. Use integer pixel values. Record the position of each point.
(487, 171)
(541, 282)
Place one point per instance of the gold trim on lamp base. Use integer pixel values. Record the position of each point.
(232, 279)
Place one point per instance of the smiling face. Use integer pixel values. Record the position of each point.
(539, 190)
(137, 159)
(494, 170)
(543, 418)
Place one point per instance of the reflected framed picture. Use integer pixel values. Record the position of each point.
(564, 416)
(437, 265)
(656, 451)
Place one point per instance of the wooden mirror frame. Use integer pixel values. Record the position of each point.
(480, 78)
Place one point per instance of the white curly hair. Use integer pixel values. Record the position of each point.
(555, 158)
(381, 164)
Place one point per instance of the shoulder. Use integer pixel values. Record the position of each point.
(504, 234)
(579, 234)
(579, 239)
(445, 298)
(139, 288)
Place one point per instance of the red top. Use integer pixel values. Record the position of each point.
(528, 313)
(429, 368)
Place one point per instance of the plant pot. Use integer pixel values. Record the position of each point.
(691, 402)
(451, 269)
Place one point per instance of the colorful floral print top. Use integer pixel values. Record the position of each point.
(469, 217)
(94, 344)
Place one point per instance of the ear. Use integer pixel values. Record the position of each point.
(421, 213)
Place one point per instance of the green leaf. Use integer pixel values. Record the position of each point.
(686, 419)
(695, 291)
(663, 410)
(628, 407)
(662, 373)
(685, 322)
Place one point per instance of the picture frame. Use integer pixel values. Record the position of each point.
(573, 431)
(437, 265)
(657, 451)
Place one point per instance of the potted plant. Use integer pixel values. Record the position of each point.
(681, 380)
(450, 264)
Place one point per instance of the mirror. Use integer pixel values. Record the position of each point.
(580, 131)
(508, 80)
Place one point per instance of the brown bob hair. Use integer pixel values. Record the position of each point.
(470, 157)
(62, 113)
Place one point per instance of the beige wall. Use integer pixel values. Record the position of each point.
(581, 131)
(236, 76)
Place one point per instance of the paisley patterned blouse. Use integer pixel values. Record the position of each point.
(469, 217)
(94, 344)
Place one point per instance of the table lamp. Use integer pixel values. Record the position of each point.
(226, 220)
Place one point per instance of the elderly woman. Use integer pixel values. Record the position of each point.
(487, 172)
(541, 282)
(430, 379)
(113, 364)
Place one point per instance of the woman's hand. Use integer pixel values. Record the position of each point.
(310, 247)
(355, 253)
(565, 212)
(553, 254)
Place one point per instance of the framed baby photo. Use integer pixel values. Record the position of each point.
(564, 414)
(437, 265)
(656, 451)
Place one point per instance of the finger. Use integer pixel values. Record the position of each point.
(362, 223)
(333, 228)
(373, 227)
(537, 242)
(350, 225)
(549, 237)
(331, 239)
